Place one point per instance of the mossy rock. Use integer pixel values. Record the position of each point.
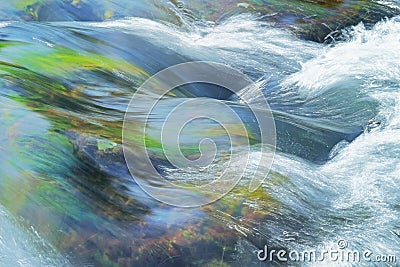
(76, 199)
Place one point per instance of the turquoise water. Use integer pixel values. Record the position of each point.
(67, 197)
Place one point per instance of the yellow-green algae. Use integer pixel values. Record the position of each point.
(43, 72)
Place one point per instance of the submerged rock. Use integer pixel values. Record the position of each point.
(315, 20)
(89, 91)
(100, 10)
(163, 235)
(69, 178)
(64, 11)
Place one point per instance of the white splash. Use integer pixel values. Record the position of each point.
(20, 247)
(368, 59)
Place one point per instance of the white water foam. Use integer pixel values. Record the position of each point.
(25, 248)
(355, 195)
(241, 41)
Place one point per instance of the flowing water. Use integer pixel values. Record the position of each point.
(67, 197)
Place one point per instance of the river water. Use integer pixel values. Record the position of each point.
(68, 199)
